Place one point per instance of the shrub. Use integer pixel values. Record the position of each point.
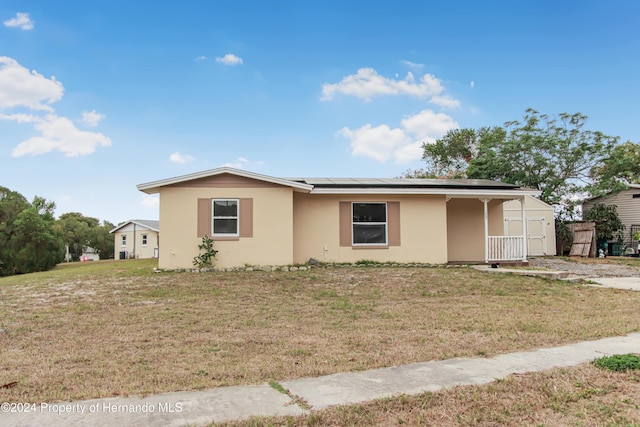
(618, 362)
(204, 259)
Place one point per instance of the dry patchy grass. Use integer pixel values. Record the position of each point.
(116, 328)
(576, 396)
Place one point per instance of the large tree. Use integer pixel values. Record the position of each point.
(102, 240)
(553, 154)
(39, 244)
(450, 156)
(622, 167)
(29, 240)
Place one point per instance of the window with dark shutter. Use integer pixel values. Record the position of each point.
(373, 224)
(225, 219)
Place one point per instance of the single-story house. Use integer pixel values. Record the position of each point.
(89, 254)
(257, 219)
(541, 225)
(137, 238)
(627, 202)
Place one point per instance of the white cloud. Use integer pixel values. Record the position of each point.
(229, 59)
(367, 83)
(20, 87)
(59, 133)
(445, 101)
(428, 124)
(402, 144)
(180, 158)
(409, 153)
(91, 118)
(472, 84)
(379, 143)
(150, 201)
(21, 21)
(239, 163)
(412, 64)
(200, 58)
(20, 118)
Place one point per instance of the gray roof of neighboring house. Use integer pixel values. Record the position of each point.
(629, 187)
(146, 223)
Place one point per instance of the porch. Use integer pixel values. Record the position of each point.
(476, 231)
(506, 248)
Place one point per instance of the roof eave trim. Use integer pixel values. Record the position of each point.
(154, 186)
(134, 222)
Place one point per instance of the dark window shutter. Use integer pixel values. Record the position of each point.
(345, 223)
(393, 221)
(246, 217)
(204, 217)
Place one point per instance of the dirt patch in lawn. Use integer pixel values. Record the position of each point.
(117, 333)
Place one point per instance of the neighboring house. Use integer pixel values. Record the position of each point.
(262, 220)
(541, 226)
(137, 238)
(90, 254)
(628, 206)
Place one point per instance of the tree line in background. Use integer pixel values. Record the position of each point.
(31, 239)
(554, 154)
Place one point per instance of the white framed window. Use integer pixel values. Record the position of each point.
(124, 240)
(144, 240)
(225, 218)
(369, 224)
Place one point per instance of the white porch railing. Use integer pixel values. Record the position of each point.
(506, 248)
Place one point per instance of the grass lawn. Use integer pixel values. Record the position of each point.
(109, 328)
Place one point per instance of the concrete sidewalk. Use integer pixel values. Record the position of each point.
(230, 403)
(627, 283)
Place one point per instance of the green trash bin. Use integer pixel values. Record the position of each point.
(616, 249)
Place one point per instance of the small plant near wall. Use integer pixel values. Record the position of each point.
(205, 258)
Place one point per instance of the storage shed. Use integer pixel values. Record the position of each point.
(541, 228)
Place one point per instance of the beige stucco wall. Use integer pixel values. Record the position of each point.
(465, 228)
(423, 225)
(272, 241)
(137, 250)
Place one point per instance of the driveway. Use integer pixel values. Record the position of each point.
(588, 268)
(599, 272)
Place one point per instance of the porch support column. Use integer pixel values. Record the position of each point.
(525, 237)
(485, 201)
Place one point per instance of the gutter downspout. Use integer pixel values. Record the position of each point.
(525, 237)
(485, 201)
(134, 240)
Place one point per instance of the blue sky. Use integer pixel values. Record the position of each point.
(97, 97)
